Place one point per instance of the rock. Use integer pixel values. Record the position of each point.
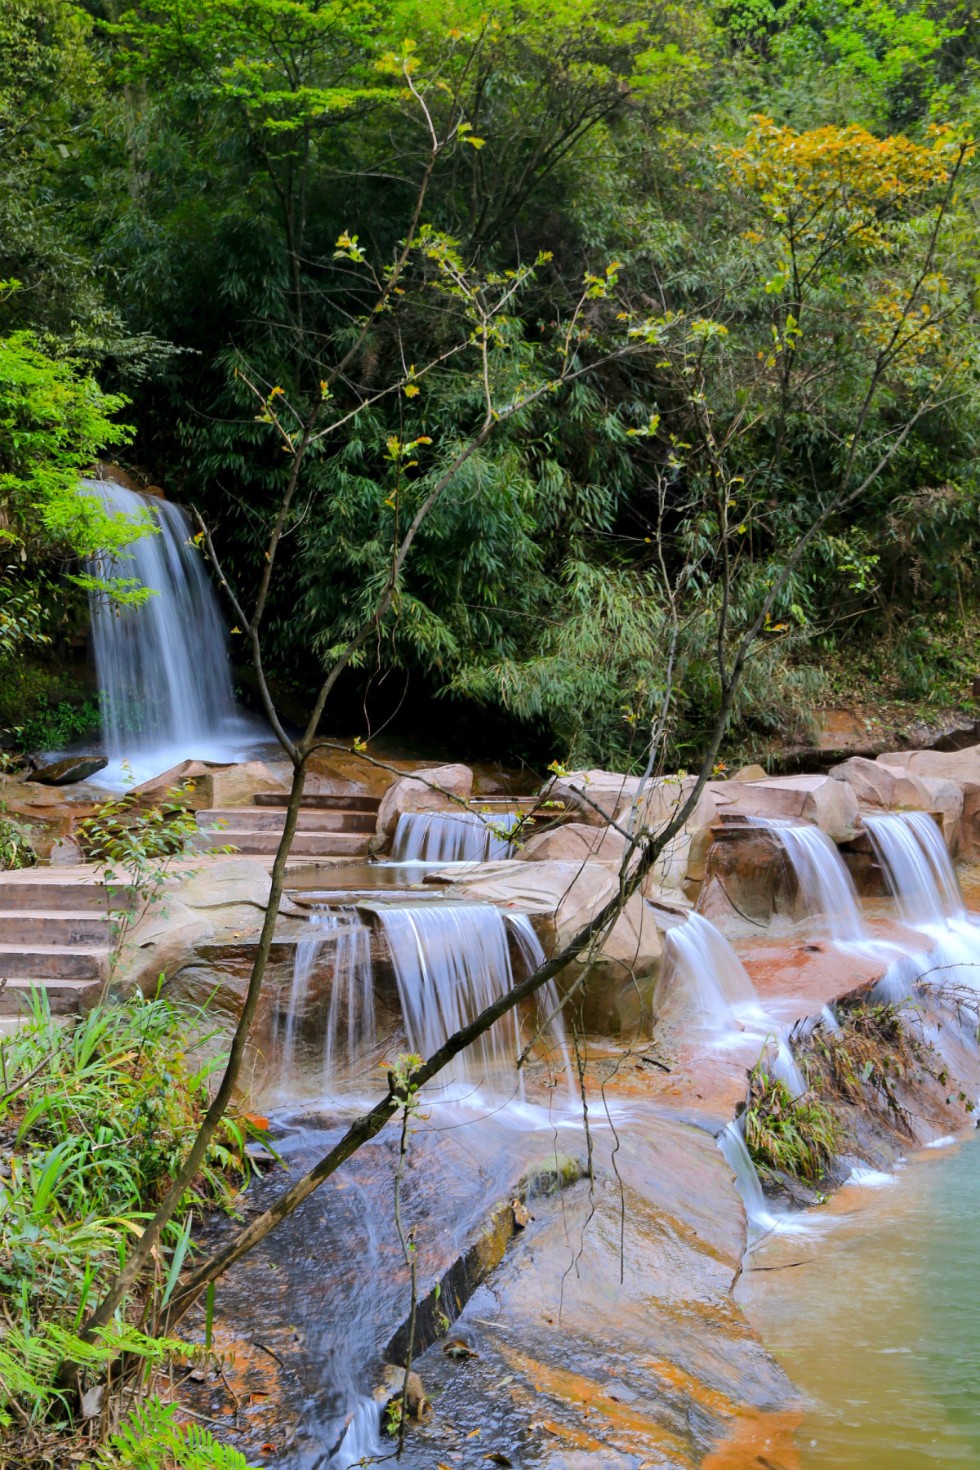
(880, 787)
(575, 842)
(409, 794)
(595, 797)
(204, 784)
(70, 771)
(66, 853)
(749, 773)
(831, 805)
(221, 886)
(962, 768)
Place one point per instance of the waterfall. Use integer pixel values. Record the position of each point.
(921, 877)
(451, 837)
(351, 990)
(451, 961)
(825, 885)
(699, 959)
(164, 677)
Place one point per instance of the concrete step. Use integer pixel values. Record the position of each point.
(320, 801)
(309, 844)
(255, 819)
(55, 927)
(65, 997)
(61, 893)
(50, 962)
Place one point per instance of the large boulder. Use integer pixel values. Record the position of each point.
(69, 771)
(883, 788)
(576, 842)
(434, 793)
(962, 768)
(831, 805)
(613, 984)
(205, 784)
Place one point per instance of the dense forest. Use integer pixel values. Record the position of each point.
(710, 269)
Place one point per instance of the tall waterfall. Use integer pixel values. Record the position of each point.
(164, 677)
(825, 885)
(451, 837)
(917, 866)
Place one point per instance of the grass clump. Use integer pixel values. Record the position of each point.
(788, 1134)
(94, 1119)
(864, 1061)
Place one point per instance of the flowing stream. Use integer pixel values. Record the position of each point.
(877, 1325)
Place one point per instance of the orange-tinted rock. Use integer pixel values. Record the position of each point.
(434, 794)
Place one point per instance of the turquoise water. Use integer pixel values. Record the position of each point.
(874, 1316)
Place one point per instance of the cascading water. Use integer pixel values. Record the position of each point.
(451, 837)
(699, 959)
(825, 885)
(351, 989)
(451, 961)
(759, 1218)
(164, 677)
(922, 879)
(923, 883)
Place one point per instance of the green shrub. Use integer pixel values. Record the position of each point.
(96, 1116)
(793, 1135)
(16, 849)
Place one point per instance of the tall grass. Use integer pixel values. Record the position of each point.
(94, 1119)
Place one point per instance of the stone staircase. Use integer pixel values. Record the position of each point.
(328, 826)
(56, 934)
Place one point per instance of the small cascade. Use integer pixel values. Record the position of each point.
(920, 875)
(826, 889)
(164, 676)
(361, 1444)
(351, 990)
(699, 959)
(451, 961)
(758, 1215)
(451, 837)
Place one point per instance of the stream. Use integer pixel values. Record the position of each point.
(878, 1325)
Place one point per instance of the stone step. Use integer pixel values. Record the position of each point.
(306, 844)
(320, 801)
(254, 819)
(55, 927)
(65, 997)
(50, 962)
(34, 893)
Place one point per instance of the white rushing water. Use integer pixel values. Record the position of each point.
(720, 996)
(450, 961)
(164, 677)
(451, 837)
(825, 886)
(917, 866)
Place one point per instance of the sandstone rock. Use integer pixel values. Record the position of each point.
(750, 773)
(409, 794)
(226, 885)
(66, 853)
(880, 787)
(576, 842)
(70, 771)
(205, 784)
(829, 804)
(962, 768)
(596, 797)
